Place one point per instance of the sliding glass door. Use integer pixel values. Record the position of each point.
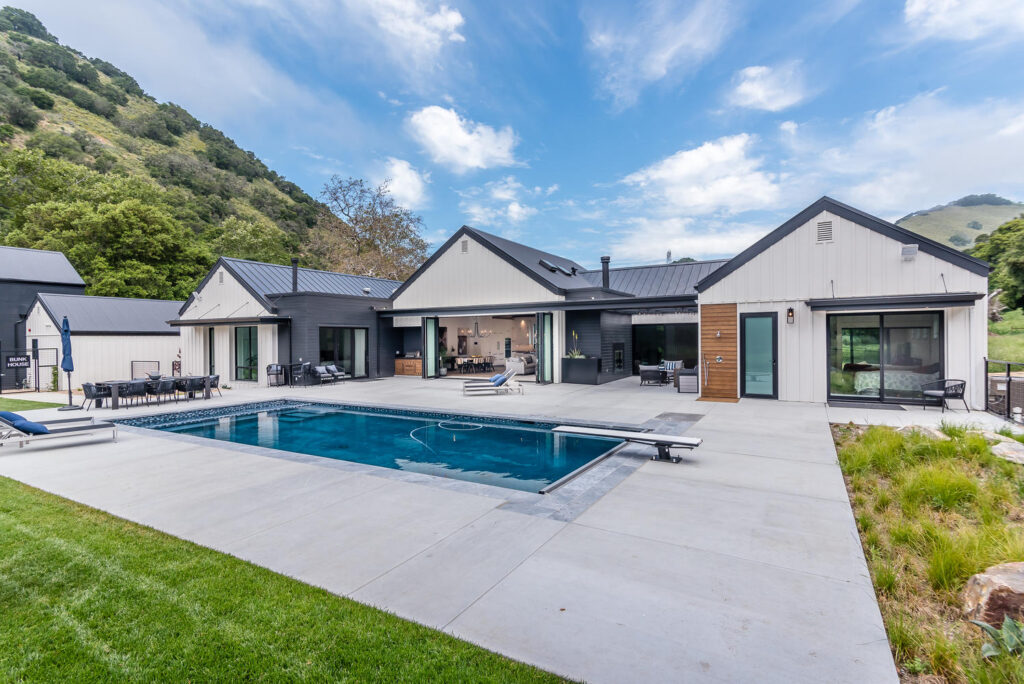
(545, 348)
(344, 348)
(884, 357)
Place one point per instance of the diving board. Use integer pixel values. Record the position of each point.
(663, 442)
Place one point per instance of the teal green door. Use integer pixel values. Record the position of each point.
(759, 355)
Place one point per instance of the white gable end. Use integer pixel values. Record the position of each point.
(224, 297)
(832, 256)
(470, 274)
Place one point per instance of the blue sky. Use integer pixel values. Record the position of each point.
(593, 128)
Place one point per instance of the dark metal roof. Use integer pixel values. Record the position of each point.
(111, 315)
(658, 280)
(268, 279)
(530, 258)
(37, 266)
(938, 300)
(859, 217)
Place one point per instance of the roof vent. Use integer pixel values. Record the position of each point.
(366, 290)
(465, 246)
(824, 231)
(908, 252)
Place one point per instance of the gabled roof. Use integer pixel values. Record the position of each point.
(111, 315)
(658, 280)
(263, 280)
(520, 256)
(37, 266)
(890, 230)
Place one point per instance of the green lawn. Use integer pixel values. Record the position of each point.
(85, 596)
(931, 513)
(24, 404)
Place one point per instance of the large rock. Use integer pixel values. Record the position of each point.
(1010, 450)
(996, 592)
(926, 430)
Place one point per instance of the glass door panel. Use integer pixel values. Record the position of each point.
(359, 352)
(911, 354)
(759, 354)
(430, 350)
(246, 353)
(545, 348)
(853, 356)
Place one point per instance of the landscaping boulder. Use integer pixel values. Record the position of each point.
(926, 430)
(997, 592)
(1010, 450)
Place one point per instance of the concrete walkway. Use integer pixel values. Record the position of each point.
(741, 564)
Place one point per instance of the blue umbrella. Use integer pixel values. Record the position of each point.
(67, 364)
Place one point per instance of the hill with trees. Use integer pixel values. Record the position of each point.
(960, 223)
(142, 196)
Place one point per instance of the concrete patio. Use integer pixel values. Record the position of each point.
(741, 563)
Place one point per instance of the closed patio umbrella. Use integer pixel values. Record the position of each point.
(67, 364)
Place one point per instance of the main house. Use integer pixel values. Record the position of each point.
(832, 305)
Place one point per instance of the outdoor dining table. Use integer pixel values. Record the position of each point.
(116, 385)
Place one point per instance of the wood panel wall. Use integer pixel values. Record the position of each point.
(722, 377)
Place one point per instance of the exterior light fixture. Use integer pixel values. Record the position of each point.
(790, 316)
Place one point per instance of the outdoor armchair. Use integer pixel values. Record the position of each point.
(94, 394)
(945, 389)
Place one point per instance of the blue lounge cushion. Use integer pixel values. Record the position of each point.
(500, 381)
(11, 417)
(30, 427)
(496, 377)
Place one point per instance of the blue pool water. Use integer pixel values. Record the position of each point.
(525, 456)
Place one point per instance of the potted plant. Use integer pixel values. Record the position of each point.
(443, 368)
(577, 368)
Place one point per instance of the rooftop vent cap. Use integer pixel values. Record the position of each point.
(824, 231)
(908, 252)
(465, 246)
(366, 290)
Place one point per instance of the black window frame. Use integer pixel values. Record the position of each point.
(774, 317)
(337, 347)
(881, 398)
(254, 345)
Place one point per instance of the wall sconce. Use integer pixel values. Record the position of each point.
(789, 315)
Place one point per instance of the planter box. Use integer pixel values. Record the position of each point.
(581, 371)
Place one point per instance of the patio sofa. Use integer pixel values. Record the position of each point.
(524, 364)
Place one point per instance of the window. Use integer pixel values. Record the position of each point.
(210, 338)
(246, 353)
(345, 348)
(653, 344)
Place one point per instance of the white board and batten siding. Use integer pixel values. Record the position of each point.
(470, 274)
(223, 297)
(855, 262)
(98, 357)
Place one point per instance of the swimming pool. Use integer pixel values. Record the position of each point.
(519, 455)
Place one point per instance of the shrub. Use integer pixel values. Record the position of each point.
(7, 132)
(38, 97)
(1007, 640)
(950, 562)
(21, 113)
(57, 146)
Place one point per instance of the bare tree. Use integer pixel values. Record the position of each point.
(362, 230)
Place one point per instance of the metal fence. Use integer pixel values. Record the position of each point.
(1004, 388)
(23, 369)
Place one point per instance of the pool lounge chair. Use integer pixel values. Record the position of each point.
(14, 430)
(509, 372)
(506, 384)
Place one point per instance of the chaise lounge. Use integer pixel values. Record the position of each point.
(16, 428)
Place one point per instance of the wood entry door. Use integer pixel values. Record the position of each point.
(718, 364)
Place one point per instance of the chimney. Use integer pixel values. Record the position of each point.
(605, 277)
(295, 274)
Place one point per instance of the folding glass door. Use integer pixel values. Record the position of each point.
(431, 353)
(545, 348)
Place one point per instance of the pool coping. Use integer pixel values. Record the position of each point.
(564, 503)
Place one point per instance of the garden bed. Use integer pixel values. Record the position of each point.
(932, 512)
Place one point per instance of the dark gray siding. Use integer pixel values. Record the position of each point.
(15, 300)
(309, 313)
(596, 335)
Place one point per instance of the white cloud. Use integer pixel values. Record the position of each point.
(964, 19)
(461, 144)
(635, 47)
(408, 185)
(413, 31)
(771, 89)
(497, 203)
(719, 176)
(645, 239)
